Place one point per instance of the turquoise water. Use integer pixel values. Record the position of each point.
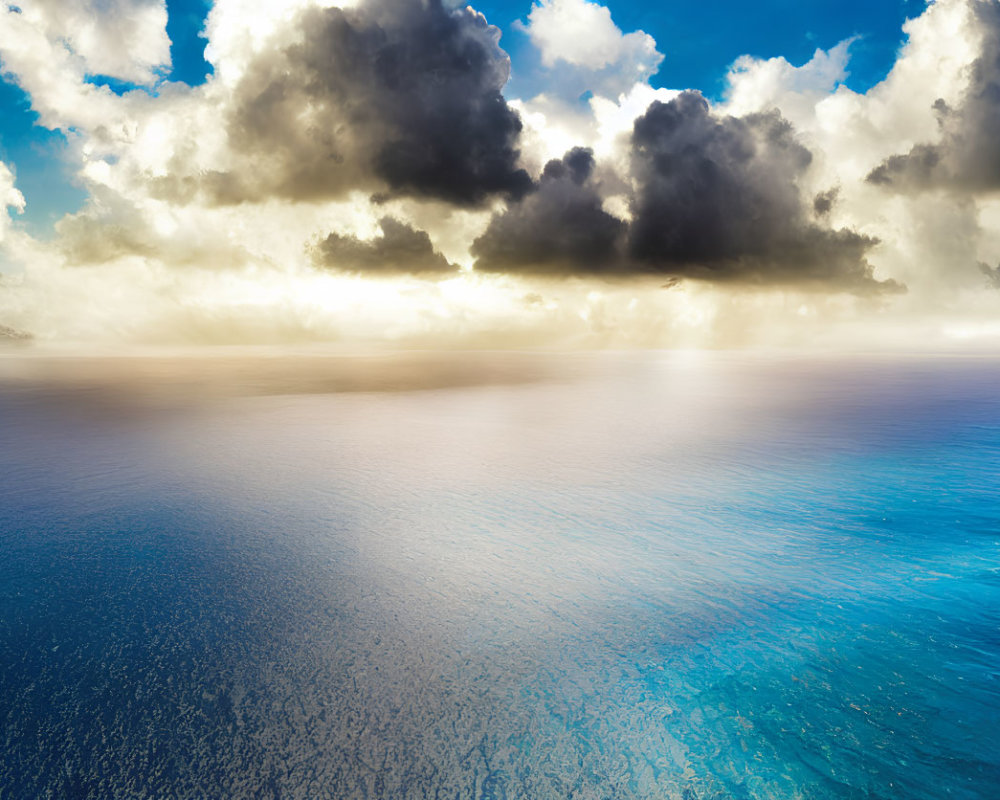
(620, 576)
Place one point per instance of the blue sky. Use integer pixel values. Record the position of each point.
(698, 39)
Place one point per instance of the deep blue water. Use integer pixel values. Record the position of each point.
(629, 576)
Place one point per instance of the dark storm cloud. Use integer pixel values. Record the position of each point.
(397, 95)
(967, 158)
(719, 199)
(560, 228)
(715, 198)
(400, 248)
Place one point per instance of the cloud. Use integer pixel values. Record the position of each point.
(759, 84)
(715, 197)
(582, 50)
(559, 229)
(400, 249)
(396, 96)
(967, 156)
(719, 199)
(582, 34)
(36, 54)
(123, 39)
(10, 198)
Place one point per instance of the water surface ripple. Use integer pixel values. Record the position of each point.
(639, 576)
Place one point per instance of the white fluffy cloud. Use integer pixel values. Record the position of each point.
(757, 84)
(51, 48)
(124, 39)
(584, 51)
(583, 34)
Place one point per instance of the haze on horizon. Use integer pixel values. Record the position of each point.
(369, 173)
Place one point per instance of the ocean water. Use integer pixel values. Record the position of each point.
(498, 576)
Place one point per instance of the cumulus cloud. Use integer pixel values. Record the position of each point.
(719, 198)
(755, 84)
(967, 156)
(400, 249)
(123, 39)
(582, 35)
(397, 96)
(37, 56)
(715, 197)
(560, 228)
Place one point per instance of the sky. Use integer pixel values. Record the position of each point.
(557, 172)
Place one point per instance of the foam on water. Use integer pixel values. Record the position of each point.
(642, 577)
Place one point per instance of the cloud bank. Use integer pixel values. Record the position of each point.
(360, 170)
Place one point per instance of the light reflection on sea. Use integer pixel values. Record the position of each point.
(499, 576)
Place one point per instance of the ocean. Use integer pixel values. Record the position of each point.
(500, 575)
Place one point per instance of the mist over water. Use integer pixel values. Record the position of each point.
(497, 576)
